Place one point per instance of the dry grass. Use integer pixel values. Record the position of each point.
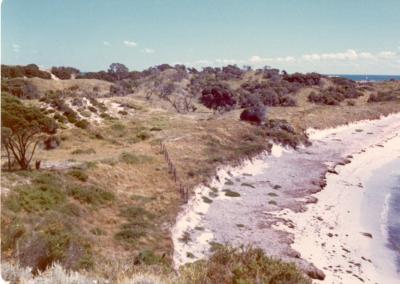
(86, 85)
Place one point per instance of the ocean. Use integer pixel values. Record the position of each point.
(382, 211)
(370, 78)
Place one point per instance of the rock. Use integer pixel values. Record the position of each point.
(315, 273)
(330, 235)
(369, 235)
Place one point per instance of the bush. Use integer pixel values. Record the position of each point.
(20, 88)
(30, 70)
(309, 79)
(241, 265)
(83, 123)
(218, 98)
(64, 73)
(334, 95)
(255, 114)
(383, 97)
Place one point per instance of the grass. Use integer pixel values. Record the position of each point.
(91, 195)
(87, 151)
(241, 265)
(132, 159)
(44, 193)
(79, 175)
(139, 220)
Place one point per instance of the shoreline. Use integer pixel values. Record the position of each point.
(201, 221)
(339, 239)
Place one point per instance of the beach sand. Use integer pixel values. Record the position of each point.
(333, 233)
(280, 210)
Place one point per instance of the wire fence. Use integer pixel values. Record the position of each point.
(183, 190)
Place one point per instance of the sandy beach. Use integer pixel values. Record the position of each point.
(278, 204)
(333, 232)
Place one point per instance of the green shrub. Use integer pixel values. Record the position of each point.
(243, 265)
(61, 118)
(148, 257)
(83, 123)
(130, 233)
(11, 232)
(79, 174)
(91, 195)
(44, 193)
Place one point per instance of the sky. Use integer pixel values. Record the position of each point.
(326, 36)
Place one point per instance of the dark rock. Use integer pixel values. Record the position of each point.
(369, 235)
(315, 273)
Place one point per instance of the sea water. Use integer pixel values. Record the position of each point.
(370, 78)
(381, 215)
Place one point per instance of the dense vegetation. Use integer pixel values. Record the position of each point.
(29, 71)
(40, 218)
(242, 265)
(64, 73)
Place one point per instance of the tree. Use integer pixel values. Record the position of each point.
(218, 98)
(21, 129)
(119, 70)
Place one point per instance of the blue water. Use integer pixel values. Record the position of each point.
(393, 221)
(381, 209)
(372, 78)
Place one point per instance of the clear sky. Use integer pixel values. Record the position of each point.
(327, 36)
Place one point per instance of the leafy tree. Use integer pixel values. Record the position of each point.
(119, 70)
(218, 98)
(21, 129)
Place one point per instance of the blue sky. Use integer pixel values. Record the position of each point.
(328, 36)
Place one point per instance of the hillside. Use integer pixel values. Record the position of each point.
(108, 188)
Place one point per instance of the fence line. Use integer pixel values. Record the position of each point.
(183, 190)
